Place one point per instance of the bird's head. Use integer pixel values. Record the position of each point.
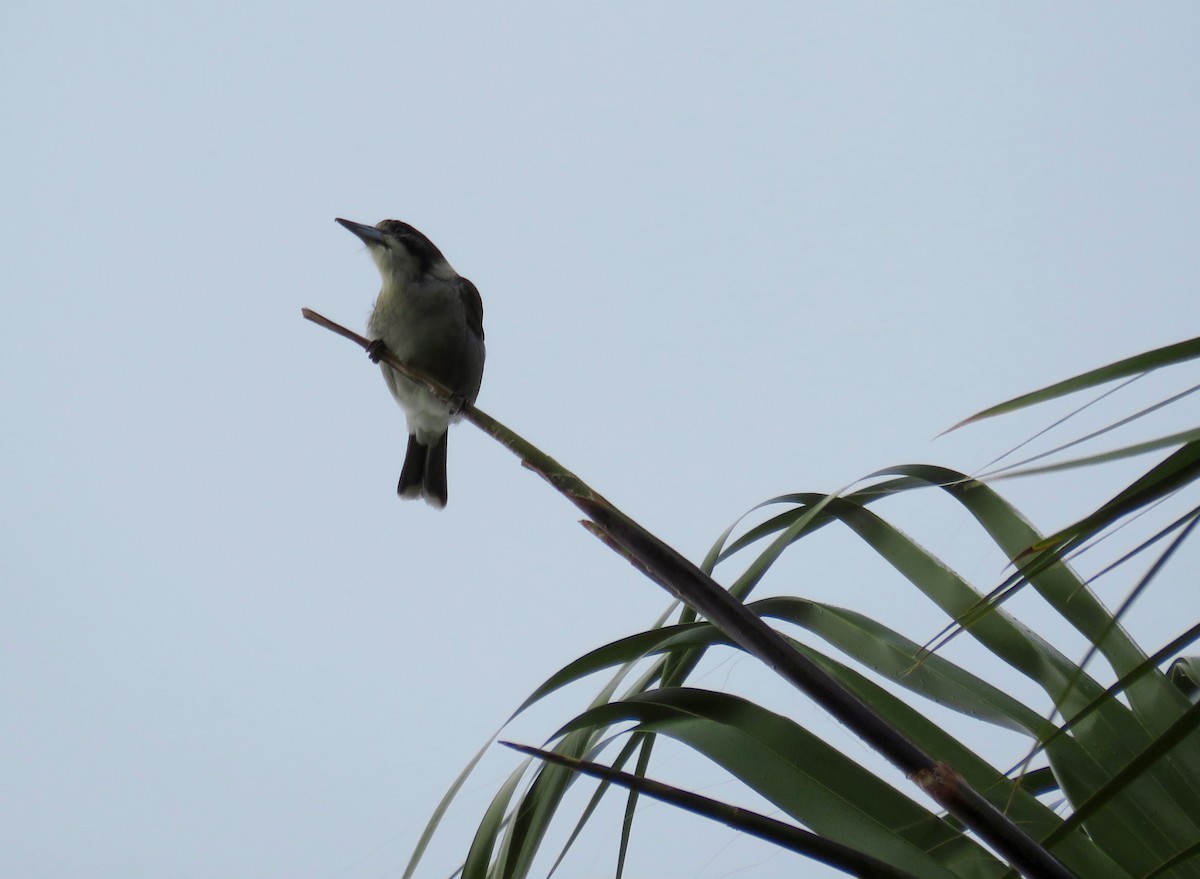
(400, 251)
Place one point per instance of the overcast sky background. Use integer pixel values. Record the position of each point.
(725, 252)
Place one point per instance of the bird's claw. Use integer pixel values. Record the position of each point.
(374, 350)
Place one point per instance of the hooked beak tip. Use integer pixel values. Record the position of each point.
(368, 234)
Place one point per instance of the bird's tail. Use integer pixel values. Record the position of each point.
(424, 471)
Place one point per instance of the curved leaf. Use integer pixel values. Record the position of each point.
(801, 775)
(1140, 363)
(845, 858)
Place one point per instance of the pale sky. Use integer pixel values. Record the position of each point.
(726, 251)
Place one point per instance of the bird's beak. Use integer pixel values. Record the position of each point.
(369, 234)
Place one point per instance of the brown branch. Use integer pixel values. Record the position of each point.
(685, 580)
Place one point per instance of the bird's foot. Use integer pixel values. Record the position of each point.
(457, 404)
(374, 350)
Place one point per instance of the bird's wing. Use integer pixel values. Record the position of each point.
(472, 306)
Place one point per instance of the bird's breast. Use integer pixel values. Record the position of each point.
(427, 327)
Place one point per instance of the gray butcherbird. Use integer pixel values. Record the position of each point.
(428, 316)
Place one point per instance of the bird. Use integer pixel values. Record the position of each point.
(430, 317)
